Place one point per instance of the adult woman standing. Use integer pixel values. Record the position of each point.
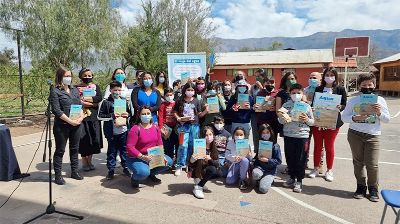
(62, 96)
(141, 137)
(326, 137)
(91, 138)
(146, 95)
(161, 82)
(120, 76)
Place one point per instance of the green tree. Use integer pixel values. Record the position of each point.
(64, 32)
(275, 45)
(7, 56)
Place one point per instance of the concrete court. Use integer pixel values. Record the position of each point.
(101, 201)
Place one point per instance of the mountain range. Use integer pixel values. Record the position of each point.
(382, 42)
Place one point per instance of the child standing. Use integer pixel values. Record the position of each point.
(115, 134)
(239, 165)
(203, 169)
(296, 139)
(167, 123)
(221, 138)
(363, 138)
(265, 168)
(187, 112)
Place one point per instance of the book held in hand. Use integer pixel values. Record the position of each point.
(365, 107)
(242, 147)
(88, 92)
(213, 105)
(265, 149)
(298, 109)
(199, 148)
(75, 111)
(262, 104)
(157, 153)
(243, 99)
(185, 77)
(325, 110)
(167, 131)
(120, 107)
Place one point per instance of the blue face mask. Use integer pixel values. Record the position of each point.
(147, 82)
(242, 89)
(120, 77)
(145, 118)
(313, 83)
(212, 92)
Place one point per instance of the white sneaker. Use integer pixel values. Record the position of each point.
(289, 182)
(313, 173)
(178, 171)
(197, 181)
(297, 187)
(329, 176)
(198, 192)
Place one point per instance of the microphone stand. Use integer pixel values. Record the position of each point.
(50, 208)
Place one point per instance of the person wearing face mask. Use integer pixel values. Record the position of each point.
(204, 169)
(119, 76)
(62, 96)
(146, 95)
(92, 137)
(363, 137)
(187, 111)
(227, 93)
(167, 123)
(296, 138)
(115, 132)
(161, 82)
(265, 169)
(141, 137)
(326, 137)
(213, 91)
(201, 90)
(314, 81)
(221, 138)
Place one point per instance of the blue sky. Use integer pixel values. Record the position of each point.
(290, 18)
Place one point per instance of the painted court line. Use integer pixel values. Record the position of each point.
(333, 217)
(388, 163)
(396, 115)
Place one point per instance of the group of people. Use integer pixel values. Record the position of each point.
(156, 115)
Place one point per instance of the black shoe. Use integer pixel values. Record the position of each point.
(59, 180)
(76, 176)
(110, 175)
(361, 192)
(243, 185)
(127, 172)
(373, 194)
(134, 183)
(154, 179)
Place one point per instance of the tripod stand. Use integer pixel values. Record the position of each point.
(50, 208)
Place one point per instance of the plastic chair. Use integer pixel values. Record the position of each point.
(391, 198)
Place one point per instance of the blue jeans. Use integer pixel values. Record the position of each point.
(221, 161)
(265, 179)
(238, 171)
(116, 145)
(141, 170)
(185, 150)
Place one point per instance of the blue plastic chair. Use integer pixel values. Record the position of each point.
(391, 198)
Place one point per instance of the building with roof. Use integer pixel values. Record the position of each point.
(389, 74)
(275, 63)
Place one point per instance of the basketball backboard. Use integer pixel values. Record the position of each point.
(351, 47)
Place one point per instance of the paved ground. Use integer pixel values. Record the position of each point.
(101, 201)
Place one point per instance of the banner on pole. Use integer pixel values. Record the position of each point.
(193, 64)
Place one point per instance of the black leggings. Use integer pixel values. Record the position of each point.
(295, 152)
(209, 173)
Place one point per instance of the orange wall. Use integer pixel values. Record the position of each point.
(388, 85)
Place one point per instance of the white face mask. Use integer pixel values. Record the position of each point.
(296, 97)
(239, 137)
(169, 99)
(266, 136)
(227, 88)
(67, 80)
(329, 80)
(219, 127)
(161, 79)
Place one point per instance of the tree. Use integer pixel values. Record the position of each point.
(6, 56)
(64, 32)
(276, 45)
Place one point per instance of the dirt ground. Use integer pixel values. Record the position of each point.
(19, 131)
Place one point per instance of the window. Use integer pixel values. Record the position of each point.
(250, 72)
(229, 72)
(391, 73)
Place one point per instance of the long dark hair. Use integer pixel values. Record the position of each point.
(213, 147)
(237, 129)
(332, 70)
(115, 72)
(269, 128)
(196, 90)
(285, 78)
(165, 84)
(181, 100)
(142, 80)
(60, 75)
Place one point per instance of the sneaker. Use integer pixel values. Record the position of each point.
(134, 183)
(154, 179)
(373, 194)
(329, 176)
(178, 171)
(297, 187)
(289, 183)
(127, 172)
(110, 175)
(198, 192)
(313, 173)
(361, 192)
(197, 181)
(243, 185)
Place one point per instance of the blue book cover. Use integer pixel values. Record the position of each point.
(75, 111)
(325, 110)
(265, 149)
(261, 101)
(243, 98)
(199, 147)
(213, 105)
(119, 106)
(298, 109)
(157, 153)
(242, 147)
(86, 92)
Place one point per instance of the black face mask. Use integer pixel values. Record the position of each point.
(269, 88)
(367, 90)
(87, 80)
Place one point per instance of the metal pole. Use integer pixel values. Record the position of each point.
(21, 85)
(185, 37)
(345, 74)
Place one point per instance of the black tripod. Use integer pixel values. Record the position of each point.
(50, 208)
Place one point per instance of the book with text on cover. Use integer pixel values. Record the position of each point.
(262, 102)
(325, 110)
(157, 153)
(87, 92)
(75, 111)
(213, 105)
(243, 98)
(242, 147)
(199, 148)
(265, 149)
(185, 77)
(298, 109)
